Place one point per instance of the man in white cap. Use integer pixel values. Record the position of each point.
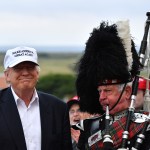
(29, 119)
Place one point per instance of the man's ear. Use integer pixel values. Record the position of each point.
(128, 91)
(6, 73)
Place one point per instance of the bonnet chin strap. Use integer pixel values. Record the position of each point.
(119, 97)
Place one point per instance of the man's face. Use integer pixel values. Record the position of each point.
(109, 94)
(23, 76)
(74, 114)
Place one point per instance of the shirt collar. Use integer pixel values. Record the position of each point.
(34, 97)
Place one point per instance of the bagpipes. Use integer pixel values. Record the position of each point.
(131, 109)
(107, 140)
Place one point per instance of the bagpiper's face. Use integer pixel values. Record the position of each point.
(109, 95)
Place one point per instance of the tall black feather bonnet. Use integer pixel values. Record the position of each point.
(110, 57)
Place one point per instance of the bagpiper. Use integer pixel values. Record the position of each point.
(106, 75)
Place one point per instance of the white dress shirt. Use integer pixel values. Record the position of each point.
(30, 118)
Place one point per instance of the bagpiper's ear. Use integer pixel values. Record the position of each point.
(128, 91)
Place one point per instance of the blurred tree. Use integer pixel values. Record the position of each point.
(60, 85)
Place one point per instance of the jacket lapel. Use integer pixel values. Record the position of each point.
(46, 121)
(11, 114)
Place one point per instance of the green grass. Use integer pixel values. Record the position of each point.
(63, 66)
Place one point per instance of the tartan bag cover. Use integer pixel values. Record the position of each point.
(116, 130)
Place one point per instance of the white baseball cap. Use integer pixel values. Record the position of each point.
(20, 54)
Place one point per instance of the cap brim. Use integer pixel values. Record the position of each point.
(72, 102)
(20, 61)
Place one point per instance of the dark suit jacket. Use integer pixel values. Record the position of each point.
(55, 127)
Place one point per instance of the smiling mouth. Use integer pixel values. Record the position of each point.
(26, 79)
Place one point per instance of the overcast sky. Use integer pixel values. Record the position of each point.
(65, 22)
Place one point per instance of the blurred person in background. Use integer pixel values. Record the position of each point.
(76, 118)
(141, 93)
(30, 119)
(74, 115)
